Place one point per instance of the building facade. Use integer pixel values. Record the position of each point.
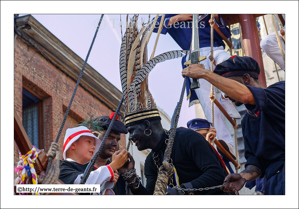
(45, 76)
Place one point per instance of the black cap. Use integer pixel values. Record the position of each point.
(104, 122)
(238, 66)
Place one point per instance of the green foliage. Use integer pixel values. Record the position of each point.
(93, 124)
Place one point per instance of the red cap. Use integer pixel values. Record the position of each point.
(111, 116)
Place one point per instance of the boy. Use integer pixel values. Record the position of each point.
(78, 149)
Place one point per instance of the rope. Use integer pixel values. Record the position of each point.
(166, 169)
(77, 84)
(53, 173)
(158, 34)
(164, 174)
(277, 37)
(280, 25)
(273, 60)
(121, 26)
(211, 57)
(241, 38)
(212, 97)
(231, 49)
(236, 146)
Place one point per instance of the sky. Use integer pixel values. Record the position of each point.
(77, 31)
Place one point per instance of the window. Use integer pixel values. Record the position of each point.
(32, 118)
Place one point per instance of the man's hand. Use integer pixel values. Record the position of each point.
(116, 176)
(119, 158)
(195, 71)
(232, 183)
(129, 165)
(211, 134)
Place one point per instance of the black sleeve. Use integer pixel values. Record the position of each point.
(205, 158)
(251, 159)
(67, 173)
(270, 100)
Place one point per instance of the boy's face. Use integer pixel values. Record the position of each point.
(84, 148)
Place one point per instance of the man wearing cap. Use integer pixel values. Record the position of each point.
(78, 149)
(203, 127)
(99, 126)
(263, 125)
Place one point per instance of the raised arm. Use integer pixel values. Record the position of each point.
(231, 88)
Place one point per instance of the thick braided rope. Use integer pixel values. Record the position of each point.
(164, 174)
(53, 174)
(166, 169)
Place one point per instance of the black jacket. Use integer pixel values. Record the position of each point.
(194, 159)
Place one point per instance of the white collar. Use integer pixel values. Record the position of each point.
(70, 160)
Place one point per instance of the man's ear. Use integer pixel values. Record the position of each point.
(246, 79)
(147, 124)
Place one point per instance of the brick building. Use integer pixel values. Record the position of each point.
(45, 76)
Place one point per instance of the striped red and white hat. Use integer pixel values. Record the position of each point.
(73, 134)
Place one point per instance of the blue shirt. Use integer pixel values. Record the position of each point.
(263, 129)
(181, 31)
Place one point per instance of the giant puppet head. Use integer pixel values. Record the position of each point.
(140, 109)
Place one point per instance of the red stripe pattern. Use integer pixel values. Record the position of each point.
(237, 72)
(74, 135)
(111, 172)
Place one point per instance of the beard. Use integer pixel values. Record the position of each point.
(106, 153)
